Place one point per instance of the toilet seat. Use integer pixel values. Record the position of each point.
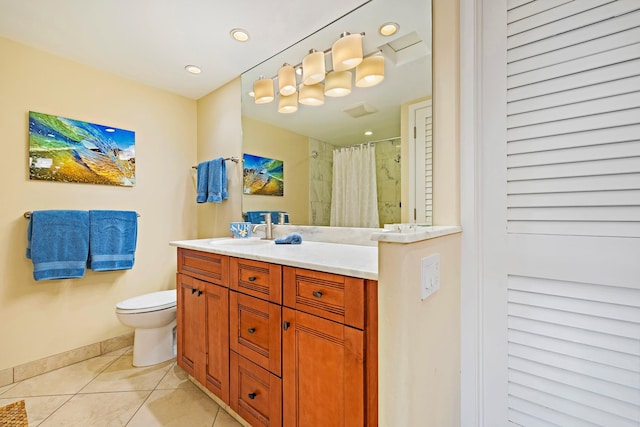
(153, 301)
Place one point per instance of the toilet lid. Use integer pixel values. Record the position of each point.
(157, 300)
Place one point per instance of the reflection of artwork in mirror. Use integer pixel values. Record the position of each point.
(69, 150)
(262, 176)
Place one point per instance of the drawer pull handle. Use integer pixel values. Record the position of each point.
(199, 293)
(252, 278)
(251, 330)
(252, 395)
(193, 291)
(317, 294)
(286, 325)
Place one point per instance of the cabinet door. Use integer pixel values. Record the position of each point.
(323, 372)
(217, 340)
(190, 317)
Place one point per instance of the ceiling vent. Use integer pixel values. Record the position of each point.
(405, 49)
(360, 109)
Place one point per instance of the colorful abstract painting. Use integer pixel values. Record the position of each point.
(262, 176)
(67, 150)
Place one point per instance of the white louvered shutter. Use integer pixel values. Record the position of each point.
(572, 242)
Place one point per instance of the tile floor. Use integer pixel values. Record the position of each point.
(108, 391)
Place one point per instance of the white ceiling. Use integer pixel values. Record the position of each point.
(151, 41)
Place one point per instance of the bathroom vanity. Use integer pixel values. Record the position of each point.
(281, 334)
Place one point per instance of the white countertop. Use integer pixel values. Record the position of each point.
(410, 233)
(337, 258)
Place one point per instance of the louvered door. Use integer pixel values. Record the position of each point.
(562, 198)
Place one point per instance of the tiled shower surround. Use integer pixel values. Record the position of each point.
(321, 180)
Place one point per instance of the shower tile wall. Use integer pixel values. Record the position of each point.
(388, 177)
(320, 182)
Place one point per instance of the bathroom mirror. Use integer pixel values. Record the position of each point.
(305, 139)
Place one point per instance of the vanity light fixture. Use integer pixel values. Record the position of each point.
(288, 104)
(346, 52)
(263, 91)
(286, 80)
(313, 68)
(370, 71)
(311, 94)
(368, 133)
(193, 69)
(239, 34)
(388, 29)
(337, 83)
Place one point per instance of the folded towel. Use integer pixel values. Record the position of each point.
(217, 184)
(58, 244)
(289, 239)
(112, 240)
(203, 182)
(257, 217)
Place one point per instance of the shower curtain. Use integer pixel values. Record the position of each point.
(354, 197)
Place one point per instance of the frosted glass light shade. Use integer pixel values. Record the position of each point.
(313, 68)
(337, 83)
(312, 94)
(346, 52)
(286, 80)
(288, 104)
(370, 72)
(263, 91)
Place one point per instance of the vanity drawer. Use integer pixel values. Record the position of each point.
(206, 266)
(255, 330)
(256, 278)
(331, 296)
(256, 394)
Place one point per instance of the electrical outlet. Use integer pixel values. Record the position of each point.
(430, 277)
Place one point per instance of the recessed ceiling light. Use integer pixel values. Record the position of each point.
(193, 69)
(368, 133)
(299, 71)
(389, 29)
(239, 34)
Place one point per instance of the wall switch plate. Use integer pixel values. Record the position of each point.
(430, 276)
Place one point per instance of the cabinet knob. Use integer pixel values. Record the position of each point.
(252, 395)
(317, 294)
(286, 325)
(252, 278)
(251, 330)
(199, 293)
(193, 291)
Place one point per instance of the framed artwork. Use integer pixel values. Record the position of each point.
(262, 176)
(68, 150)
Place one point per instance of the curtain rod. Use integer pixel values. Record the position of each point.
(369, 142)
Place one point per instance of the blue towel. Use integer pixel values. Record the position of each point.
(58, 244)
(217, 185)
(203, 182)
(112, 240)
(289, 239)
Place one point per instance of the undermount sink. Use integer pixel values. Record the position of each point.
(240, 242)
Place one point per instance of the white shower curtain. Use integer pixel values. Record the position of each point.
(354, 198)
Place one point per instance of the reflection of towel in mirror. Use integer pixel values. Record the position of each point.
(217, 183)
(289, 239)
(58, 243)
(203, 182)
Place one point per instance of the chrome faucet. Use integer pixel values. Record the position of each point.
(268, 226)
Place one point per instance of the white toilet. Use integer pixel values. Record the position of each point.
(153, 316)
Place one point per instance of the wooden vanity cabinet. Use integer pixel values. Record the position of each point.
(203, 319)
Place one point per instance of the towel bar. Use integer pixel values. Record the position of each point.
(27, 215)
(233, 159)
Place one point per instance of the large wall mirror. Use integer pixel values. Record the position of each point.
(393, 117)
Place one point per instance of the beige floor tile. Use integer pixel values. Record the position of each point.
(67, 380)
(39, 408)
(123, 376)
(5, 388)
(97, 410)
(175, 378)
(225, 420)
(176, 408)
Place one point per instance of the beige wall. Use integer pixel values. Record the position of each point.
(220, 135)
(419, 355)
(293, 150)
(38, 319)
